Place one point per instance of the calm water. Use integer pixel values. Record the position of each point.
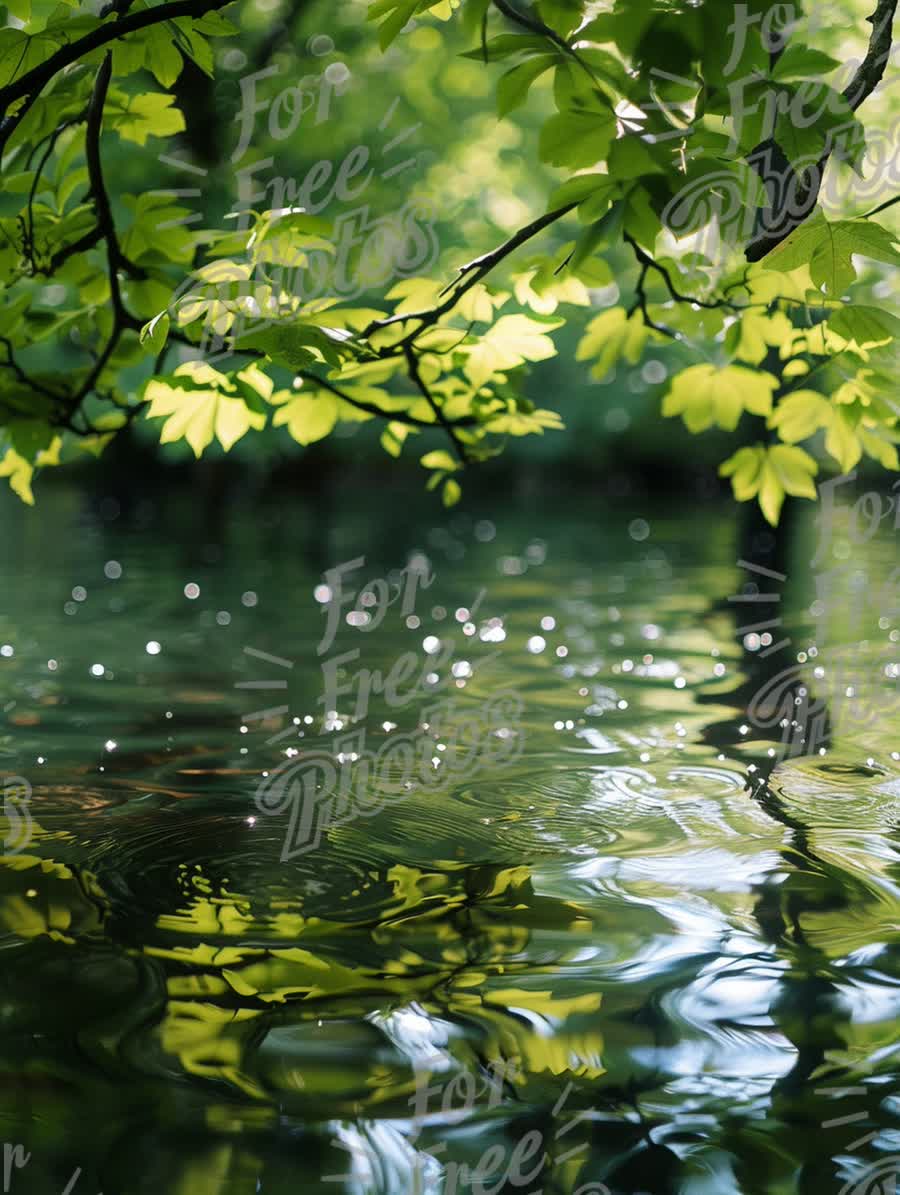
(630, 945)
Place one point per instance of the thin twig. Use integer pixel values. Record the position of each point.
(650, 263)
(542, 30)
(467, 277)
(28, 246)
(416, 377)
(882, 207)
(98, 186)
(22, 376)
(723, 304)
(640, 304)
(371, 408)
(88, 241)
(121, 317)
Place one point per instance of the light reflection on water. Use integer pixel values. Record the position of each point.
(631, 929)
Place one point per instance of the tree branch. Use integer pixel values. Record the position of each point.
(114, 258)
(413, 368)
(650, 263)
(28, 237)
(774, 225)
(116, 6)
(468, 276)
(88, 241)
(871, 70)
(371, 408)
(881, 207)
(532, 25)
(32, 82)
(98, 188)
(640, 304)
(541, 30)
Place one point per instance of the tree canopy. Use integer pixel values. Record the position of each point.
(697, 177)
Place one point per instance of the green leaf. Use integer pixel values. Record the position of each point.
(513, 87)
(796, 368)
(769, 474)
(397, 13)
(878, 448)
(295, 346)
(93, 445)
(841, 440)
(147, 115)
(641, 221)
(478, 304)
(799, 248)
(440, 459)
(394, 436)
(162, 56)
(29, 436)
(156, 332)
(129, 55)
(309, 417)
(585, 189)
(20, 182)
(813, 112)
(602, 233)
(511, 341)
(416, 294)
(786, 471)
(704, 395)
(611, 335)
(524, 423)
(800, 415)
(19, 471)
(865, 325)
(577, 138)
(452, 492)
(561, 15)
(20, 52)
(798, 61)
(505, 45)
(754, 333)
(193, 45)
(630, 157)
(828, 250)
(69, 185)
(802, 143)
(213, 24)
(545, 299)
(197, 408)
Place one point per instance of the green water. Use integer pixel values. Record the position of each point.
(631, 946)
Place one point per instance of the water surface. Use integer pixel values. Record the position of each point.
(633, 946)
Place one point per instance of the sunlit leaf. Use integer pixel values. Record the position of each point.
(512, 340)
(202, 411)
(308, 417)
(704, 395)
